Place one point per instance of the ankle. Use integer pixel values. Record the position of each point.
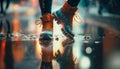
(68, 9)
(47, 20)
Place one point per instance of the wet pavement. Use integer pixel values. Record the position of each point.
(22, 49)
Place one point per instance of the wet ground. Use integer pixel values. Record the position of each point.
(96, 38)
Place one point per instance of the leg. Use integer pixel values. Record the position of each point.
(45, 6)
(8, 28)
(7, 4)
(47, 21)
(1, 25)
(100, 9)
(73, 3)
(8, 59)
(1, 6)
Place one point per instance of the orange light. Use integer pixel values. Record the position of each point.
(16, 14)
(30, 12)
(34, 3)
(18, 51)
(15, 6)
(16, 24)
(3, 49)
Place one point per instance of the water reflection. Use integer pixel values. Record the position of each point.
(96, 42)
(18, 51)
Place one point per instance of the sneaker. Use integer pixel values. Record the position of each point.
(64, 16)
(47, 21)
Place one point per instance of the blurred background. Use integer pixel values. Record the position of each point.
(97, 38)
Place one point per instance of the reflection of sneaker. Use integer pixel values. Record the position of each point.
(64, 16)
(46, 42)
(46, 38)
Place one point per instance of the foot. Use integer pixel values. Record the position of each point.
(64, 16)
